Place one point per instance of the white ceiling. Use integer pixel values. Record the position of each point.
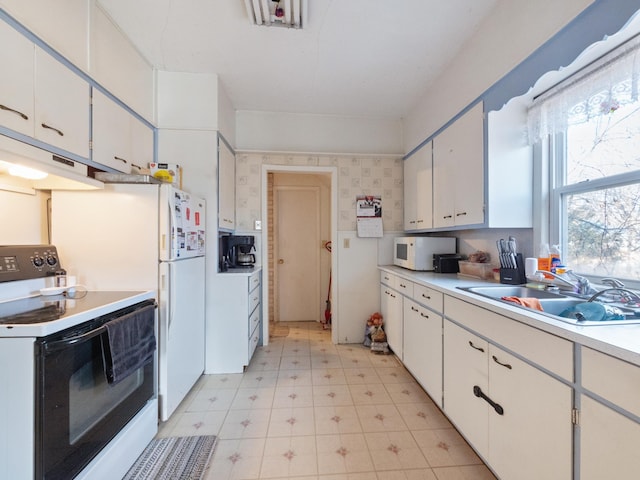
(371, 58)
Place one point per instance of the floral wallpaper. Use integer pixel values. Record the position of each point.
(357, 175)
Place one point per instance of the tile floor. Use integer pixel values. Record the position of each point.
(306, 409)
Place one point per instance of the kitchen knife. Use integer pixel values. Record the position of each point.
(500, 253)
(513, 250)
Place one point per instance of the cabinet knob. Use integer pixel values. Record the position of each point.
(280, 262)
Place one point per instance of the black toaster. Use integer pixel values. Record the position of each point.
(446, 262)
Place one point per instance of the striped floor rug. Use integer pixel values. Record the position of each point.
(173, 458)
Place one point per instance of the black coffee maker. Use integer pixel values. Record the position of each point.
(237, 251)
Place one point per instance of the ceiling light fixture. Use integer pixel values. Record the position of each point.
(277, 13)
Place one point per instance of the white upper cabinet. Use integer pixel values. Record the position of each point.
(62, 24)
(418, 199)
(62, 108)
(118, 66)
(119, 140)
(141, 145)
(111, 138)
(16, 81)
(458, 172)
(226, 187)
(41, 97)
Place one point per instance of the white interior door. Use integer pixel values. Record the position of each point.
(297, 265)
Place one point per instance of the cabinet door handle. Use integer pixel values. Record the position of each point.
(474, 347)
(402, 285)
(420, 221)
(461, 214)
(414, 308)
(119, 159)
(7, 109)
(505, 365)
(447, 216)
(477, 391)
(59, 132)
(426, 296)
(424, 315)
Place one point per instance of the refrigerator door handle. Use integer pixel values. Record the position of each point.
(171, 307)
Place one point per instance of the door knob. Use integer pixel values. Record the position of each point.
(281, 261)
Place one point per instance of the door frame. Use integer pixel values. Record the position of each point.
(333, 172)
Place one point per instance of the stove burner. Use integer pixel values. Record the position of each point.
(31, 310)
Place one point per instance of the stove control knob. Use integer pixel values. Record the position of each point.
(52, 261)
(38, 261)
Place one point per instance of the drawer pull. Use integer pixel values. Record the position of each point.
(474, 347)
(426, 296)
(22, 115)
(403, 285)
(477, 391)
(505, 365)
(424, 315)
(414, 308)
(461, 214)
(119, 159)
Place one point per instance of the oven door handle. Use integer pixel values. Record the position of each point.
(65, 342)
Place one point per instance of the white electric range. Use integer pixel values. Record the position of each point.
(66, 418)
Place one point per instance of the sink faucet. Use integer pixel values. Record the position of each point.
(626, 296)
(581, 285)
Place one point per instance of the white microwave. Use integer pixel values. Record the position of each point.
(416, 253)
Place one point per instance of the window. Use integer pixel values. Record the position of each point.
(593, 122)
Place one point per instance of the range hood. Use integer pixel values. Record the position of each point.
(58, 172)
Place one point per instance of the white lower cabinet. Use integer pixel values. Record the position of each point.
(532, 438)
(608, 443)
(609, 439)
(391, 309)
(466, 367)
(422, 348)
(507, 409)
(234, 332)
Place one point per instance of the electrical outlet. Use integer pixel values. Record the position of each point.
(257, 225)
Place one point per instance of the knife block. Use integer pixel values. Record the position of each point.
(514, 276)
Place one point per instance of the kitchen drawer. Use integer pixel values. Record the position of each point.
(254, 321)
(612, 379)
(253, 342)
(404, 286)
(388, 279)
(547, 350)
(428, 297)
(254, 281)
(254, 299)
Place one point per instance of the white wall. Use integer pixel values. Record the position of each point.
(289, 132)
(23, 218)
(507, 37)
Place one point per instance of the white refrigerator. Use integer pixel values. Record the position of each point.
(143, 237)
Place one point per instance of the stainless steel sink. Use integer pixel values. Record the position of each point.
(499, 291)
(552, 303)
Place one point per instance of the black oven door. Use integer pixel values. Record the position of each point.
(77, 411)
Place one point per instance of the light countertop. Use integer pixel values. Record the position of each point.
(621, 341)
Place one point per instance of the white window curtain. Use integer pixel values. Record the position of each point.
(602, 87)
